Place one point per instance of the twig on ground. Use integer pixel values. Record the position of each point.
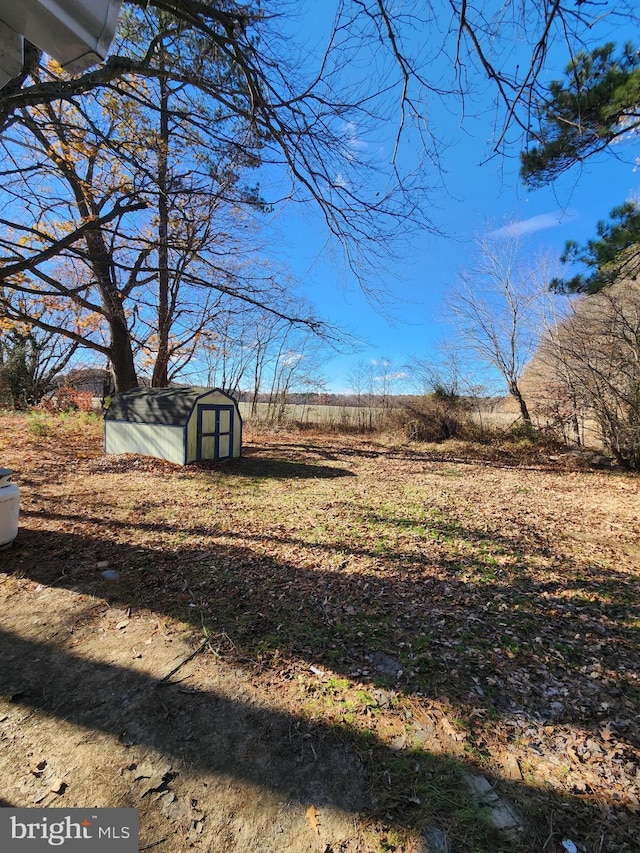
(193, 654)
(153, 844)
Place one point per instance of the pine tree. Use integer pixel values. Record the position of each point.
(596, 104)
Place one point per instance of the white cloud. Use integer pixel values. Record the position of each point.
(391, 377)
(541, 222)
(353, 143)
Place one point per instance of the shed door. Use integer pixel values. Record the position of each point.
(215, 432)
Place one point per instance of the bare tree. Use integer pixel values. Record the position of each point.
(592, 359)
(473, 37)
(121, 222)
(232, 70)
(361, 385)
(446, 373)
(495, 309)
(296, 363)
(226, 348)
(250, 348)
(30, 360)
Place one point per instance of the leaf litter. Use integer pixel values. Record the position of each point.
(437, 611)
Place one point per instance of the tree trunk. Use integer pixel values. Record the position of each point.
(120, 352)
(524, 411)
(124, 371)
(576, 428)
(101, 260)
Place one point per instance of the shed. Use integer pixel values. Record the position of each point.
(178, 424)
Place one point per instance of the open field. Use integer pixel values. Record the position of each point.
(333, 644)
(501, 417)
(349, 417)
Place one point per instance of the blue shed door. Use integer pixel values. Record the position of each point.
(215, 432)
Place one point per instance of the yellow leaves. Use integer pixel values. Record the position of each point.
(19, 279)
(54, 67)
(88, 322)
(313, 817)
(8, 325)
(56, 310)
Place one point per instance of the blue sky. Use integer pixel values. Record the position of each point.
(479, 194)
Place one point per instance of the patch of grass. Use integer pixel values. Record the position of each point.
(381, 547)
(336, 684)
(393, 840)
(367, 702)
(39, 423)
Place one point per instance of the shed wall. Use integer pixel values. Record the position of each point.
(237, 432)
(192, 436)
(162, 441)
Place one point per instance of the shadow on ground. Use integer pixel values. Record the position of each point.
(270, 467)
(557, 650)
(230, 739)
(505, 645)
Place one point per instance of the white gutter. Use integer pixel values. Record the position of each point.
(77, 33)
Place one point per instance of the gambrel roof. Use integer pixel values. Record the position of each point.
(169, 406)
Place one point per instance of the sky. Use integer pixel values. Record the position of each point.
(480, 194)
(472, 193)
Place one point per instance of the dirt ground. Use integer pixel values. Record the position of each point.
(334, 645)
(208, 762)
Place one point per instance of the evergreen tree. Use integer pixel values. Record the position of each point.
(596, 104)
(614, 256)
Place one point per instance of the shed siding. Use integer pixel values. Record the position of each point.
(165, 442)
(192, 437)
(237, 432)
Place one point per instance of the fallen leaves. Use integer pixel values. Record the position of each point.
(48, 785)
(509, 595)
(313, 817)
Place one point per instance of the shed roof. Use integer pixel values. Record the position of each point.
(171, 406)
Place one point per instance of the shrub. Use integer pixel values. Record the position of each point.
(67, 399)
(525, 431)
(434, 418)
(593, 358)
